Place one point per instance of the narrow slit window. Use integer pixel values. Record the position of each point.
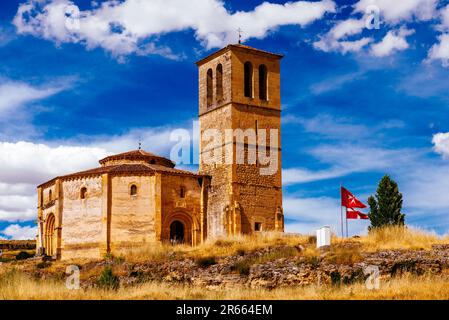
(210, 94)
(258, 226)
(83, 193)
(133, 190)
(182, 193)
(263, 82)
(219, 81)
(248, 79)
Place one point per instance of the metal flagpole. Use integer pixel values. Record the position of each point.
(341, 214)
(346, 226)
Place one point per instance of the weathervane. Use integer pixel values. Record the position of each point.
(140, 143)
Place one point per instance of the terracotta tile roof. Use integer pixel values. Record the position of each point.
(138, 155)
(258, 50)
(124, 169)
(238, 46)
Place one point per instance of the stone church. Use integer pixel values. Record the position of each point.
(137, 197)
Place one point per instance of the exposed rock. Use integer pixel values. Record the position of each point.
(269, 267)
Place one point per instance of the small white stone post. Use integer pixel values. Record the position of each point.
(323, 237)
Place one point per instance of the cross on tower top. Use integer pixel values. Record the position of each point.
(240, 35)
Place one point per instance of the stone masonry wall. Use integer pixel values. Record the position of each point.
(81, 219)
(186, 210)
(258, 195)
(132, 216)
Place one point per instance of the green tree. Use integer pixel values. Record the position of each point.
(386, 205)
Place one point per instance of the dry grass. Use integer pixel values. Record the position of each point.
(400, 238)
(381, 239)
(9, 255)
(217, 248)
(18, 286)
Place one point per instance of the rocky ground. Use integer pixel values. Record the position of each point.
(268, 268)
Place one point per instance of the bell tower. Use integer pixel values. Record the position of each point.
(240, 140)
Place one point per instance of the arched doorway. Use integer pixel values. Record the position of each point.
(180, 226)
(176, 232)
(50, 242)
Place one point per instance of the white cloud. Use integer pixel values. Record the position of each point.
(26, 164)
(354, 46)
(394, 12)
(422, 180)
(130, 26)
(335, 83)
(393, 41)
(331, 45)
(339, 128)
(343, 153)
(334, 40)
(440, 50)
(19, 214)
(299, 175)
(17, 232)
(345, 159)
(425, 187)
(391, 12)
(441, 143)
(14, 94)
(444, 18)
(347, 28)
(308, 214)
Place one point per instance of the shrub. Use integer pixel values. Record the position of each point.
(407, 266)
(108, 256)
(108, 280)
(314, 261)
(43, 265)
(311, 240)
(356, 276)
(139, 275)
(243, 267)
(335, 278)
(223, 243)
(205, 262)
(22, 255)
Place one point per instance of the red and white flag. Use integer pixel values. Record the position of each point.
(354, 214)
(348, 200)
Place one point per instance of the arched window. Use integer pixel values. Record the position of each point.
(50, 196)
(219, 82)
(263, 82)
(210, 94)
(182, 192)
(133, 190)
(248, 79)
(83, 193)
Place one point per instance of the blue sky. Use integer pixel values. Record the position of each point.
(357, 102)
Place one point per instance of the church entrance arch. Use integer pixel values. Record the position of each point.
(50, 235)
(178, 227)
(177, 232)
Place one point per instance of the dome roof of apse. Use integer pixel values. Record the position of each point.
(137, 156)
